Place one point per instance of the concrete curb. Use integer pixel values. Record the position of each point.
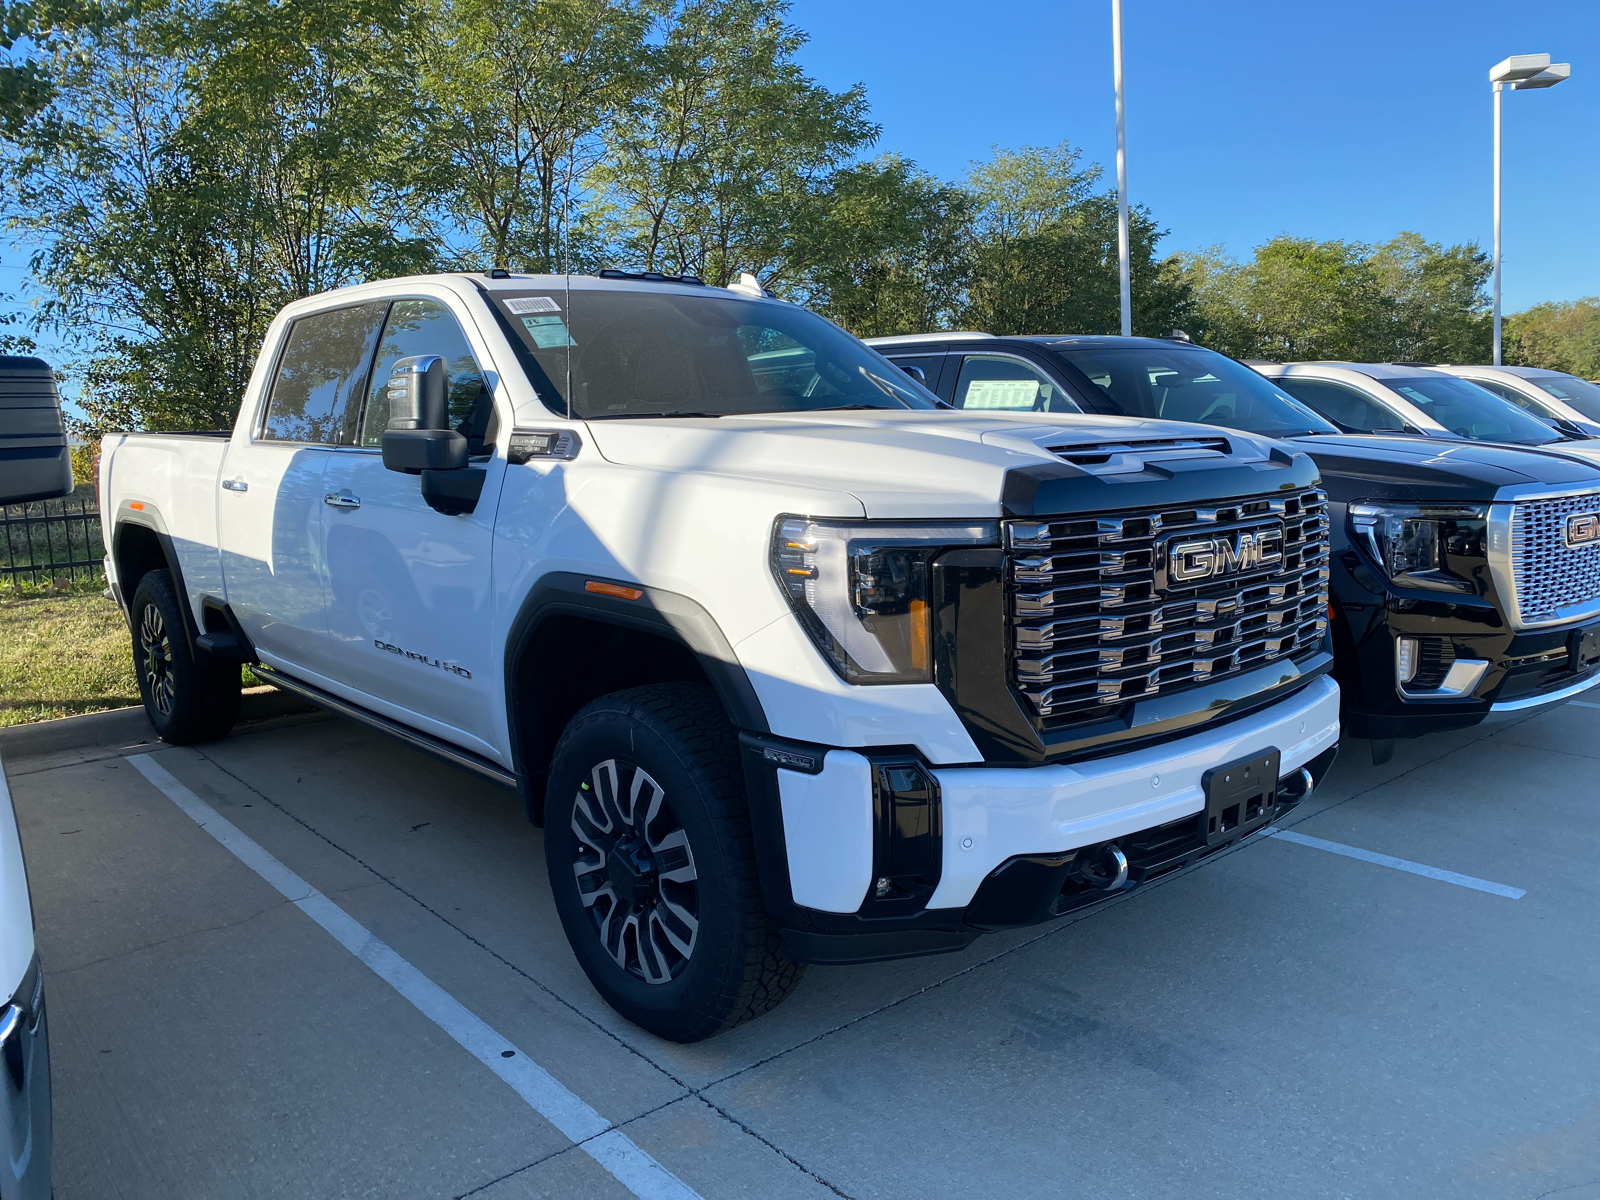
(121, 727)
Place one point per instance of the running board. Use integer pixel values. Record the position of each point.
(426, 742)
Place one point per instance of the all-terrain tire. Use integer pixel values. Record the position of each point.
(187, 700)
(669, 749)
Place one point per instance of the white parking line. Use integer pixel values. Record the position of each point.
(1400, 864)
(595, 1136)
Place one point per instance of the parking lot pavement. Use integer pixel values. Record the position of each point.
(1278, 1021)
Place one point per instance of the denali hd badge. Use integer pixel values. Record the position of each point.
(1233, 552)
(1582, 528)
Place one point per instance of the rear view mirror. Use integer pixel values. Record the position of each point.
(34, 462)
(916, 373)
(419, 437)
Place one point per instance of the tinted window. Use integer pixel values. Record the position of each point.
(428, 327)
(646, 353)
(1468, 411)
(990, 381)
(1507, 392)
(316, 394)
(1191, 384)
(1345, 406)
(1580, 393)
(924, 368)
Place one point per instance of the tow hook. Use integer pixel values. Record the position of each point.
(1296, 786)
(1106, 871)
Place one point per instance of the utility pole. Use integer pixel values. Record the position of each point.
(1124, 267)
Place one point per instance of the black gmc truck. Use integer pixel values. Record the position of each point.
(1465, 576)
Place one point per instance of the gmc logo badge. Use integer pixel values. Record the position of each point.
(1194, 560)
(1583, 528)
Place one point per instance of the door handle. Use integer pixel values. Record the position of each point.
(235, 485)
(341, 500)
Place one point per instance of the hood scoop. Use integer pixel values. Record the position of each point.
(1130, 457)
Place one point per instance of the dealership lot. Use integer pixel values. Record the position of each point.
(1279, 1020)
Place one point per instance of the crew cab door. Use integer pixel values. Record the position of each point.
(409, 620)
(269, 499)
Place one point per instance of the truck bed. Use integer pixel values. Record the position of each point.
(170, 482)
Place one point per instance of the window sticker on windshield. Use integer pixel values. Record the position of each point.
(549, 333)
(532, 304)
(1002, 393)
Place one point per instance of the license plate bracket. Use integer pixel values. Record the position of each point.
(1587, 650)
(1241, 796)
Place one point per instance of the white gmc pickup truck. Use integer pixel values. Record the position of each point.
(793, 663)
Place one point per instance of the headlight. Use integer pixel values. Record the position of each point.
(862, 589)
(1414, 544)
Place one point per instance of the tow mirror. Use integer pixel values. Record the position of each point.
(34, 461)
(419, 440)
(419, 437)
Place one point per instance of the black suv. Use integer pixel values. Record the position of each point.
(1465, 575)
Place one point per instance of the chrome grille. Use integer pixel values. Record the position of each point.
(1547, 573)
(1099, 617)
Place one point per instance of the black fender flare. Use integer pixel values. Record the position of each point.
(656, 611)
(149, 518)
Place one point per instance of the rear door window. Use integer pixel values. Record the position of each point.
(316, 392)
(428, 327)
(1344, 406)
(990, 381)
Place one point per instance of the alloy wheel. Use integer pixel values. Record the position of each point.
(636, 872)
(157, 649)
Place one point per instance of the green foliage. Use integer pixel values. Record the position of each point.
(515, 100)
(718, 159)
(1300, 299)
(1044, 252)
(885, 249)
(1561, 337)
(183, 168)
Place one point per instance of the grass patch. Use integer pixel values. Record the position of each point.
(65, 652)
(62, 654)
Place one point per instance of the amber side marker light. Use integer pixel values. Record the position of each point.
(136, 504)
(613, 589)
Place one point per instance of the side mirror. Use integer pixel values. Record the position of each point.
(419, 437)
(34, 461)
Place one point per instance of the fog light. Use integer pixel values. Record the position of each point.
(1406, 657)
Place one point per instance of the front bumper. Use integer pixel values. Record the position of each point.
(1518, 672)
(822, 822)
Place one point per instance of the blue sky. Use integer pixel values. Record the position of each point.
(1249, 118)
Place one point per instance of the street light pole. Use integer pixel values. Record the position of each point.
(1124, 268)
(1498, 88)
(1521, 72)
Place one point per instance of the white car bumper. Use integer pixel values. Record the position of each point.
(991, 814)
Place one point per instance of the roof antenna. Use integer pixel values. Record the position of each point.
(566, 263)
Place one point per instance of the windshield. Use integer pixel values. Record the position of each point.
(1579, 393)
(1190, 384)
(649, 353)
(1468, 411)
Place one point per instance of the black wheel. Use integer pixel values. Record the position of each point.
(647, 839)
(186, 701)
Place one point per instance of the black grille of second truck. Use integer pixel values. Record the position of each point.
(1118, 607)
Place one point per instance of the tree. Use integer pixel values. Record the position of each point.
(1407, 299)
(1044, 252)
(1559, 336)
(714, 165)
(516, 98)
(192, 170)
(1440, 310)
(883, 250)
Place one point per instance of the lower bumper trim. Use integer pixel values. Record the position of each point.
(1528, 703)
(838, 949)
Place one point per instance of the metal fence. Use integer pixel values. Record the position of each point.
(50, 540)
